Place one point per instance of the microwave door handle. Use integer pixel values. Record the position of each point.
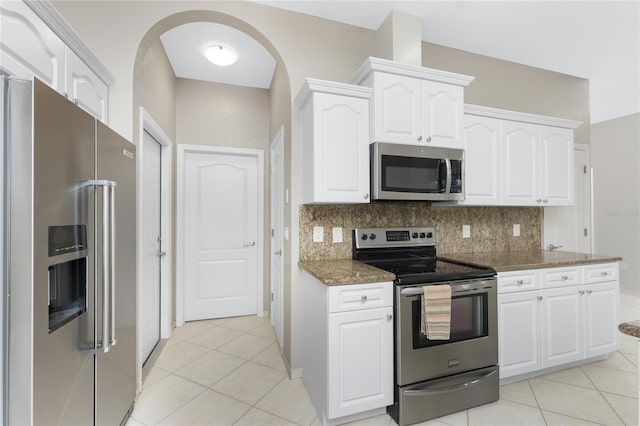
(447, 190)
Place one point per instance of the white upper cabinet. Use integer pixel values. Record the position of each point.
(517, 159)
(556, 158)
(28, 47)
(414, 105)
(482, 160)
(335, 142)
(84, 88)
(520, 163)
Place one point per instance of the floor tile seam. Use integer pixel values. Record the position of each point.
(265, 411)
(564, 383)
(204, 389)
(268, 392)
(602, 396)
(572, 417)
(211, 386)
(611, 368)
(189, 363)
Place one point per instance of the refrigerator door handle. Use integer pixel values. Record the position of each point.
(112, 264)
(107, 264)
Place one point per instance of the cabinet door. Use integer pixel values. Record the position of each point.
(520, 159)
(340, 149)
(482, 160)
(360, 361)
(562, 326)
(84, 87)
(519, 333)
(442, 115)
(601, 318)
(556, 160)
(397, 110)
(28, 47)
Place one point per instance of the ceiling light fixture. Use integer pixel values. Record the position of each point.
(221, 55)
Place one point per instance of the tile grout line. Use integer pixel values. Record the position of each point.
(602, 396)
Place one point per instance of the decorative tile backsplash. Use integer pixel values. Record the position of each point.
(491, 227)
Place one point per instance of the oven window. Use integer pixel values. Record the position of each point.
(469, 320)
(411, 174)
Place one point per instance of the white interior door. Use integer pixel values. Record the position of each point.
(221, 223)
(151, 244)
(570, 227)
(277, 233)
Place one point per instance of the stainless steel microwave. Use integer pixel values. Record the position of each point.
(413, 172)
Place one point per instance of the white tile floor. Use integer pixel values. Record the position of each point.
(229, 372)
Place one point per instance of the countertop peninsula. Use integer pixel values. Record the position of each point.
(631, 328)
(345, 271)
(503, 261)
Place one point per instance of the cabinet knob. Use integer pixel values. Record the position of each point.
(419, 138)
(604, 274)
(564, 278)
(520, 282)
(539, 297)
(589, 291)
(389, 317)
(581, 292)
(364, 297)
(366, 196)
(545, 200)
(539, 200)
(428, 138)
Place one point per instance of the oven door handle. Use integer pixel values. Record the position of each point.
(455, 288)
(443, 389)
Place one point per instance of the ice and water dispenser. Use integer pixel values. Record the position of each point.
(67, 279)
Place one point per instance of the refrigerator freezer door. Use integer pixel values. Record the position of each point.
(116, 369)
(63, 262)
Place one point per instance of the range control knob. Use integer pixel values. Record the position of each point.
(429, 234)
(414, 235)
(372, 236)
(423, 235)
(364, 237)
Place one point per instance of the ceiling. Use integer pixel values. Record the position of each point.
(185, 45)
(597, 40)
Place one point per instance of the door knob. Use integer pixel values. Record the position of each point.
(161, 253)
(278, 252)
(249, 244)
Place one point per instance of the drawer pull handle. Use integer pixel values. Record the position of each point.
(539, 297)
(389, 317)
(589, 291)
(604, 274)
(581, 292)
(364, 297)
(520, 282)
(564, 278)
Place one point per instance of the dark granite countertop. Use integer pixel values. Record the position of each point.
(503, 261)
(345, 271)
(630, 328)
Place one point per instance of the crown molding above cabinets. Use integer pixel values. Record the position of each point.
(524, 117)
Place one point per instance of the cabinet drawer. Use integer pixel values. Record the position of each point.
(360, 296)
(600, 272)
(560, 277)
(518, 281)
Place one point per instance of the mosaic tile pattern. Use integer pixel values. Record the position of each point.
(491, 227)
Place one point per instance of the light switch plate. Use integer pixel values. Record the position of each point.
(466, 231)
(337, 234)
(516, 229)
(318, 234)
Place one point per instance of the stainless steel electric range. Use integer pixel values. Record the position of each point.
(435, 377)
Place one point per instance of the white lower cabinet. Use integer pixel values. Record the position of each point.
(557, 324)
(347, 356)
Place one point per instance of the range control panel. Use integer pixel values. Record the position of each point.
(393, 237)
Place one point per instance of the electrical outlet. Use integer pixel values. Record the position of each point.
(318, 234)
(337, 234)
(466, 231)
(516, 229)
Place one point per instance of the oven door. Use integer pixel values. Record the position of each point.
(473, 341)
(407, 172)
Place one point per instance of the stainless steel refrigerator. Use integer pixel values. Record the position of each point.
(69, 264)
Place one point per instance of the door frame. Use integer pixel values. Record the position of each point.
(183, 150)
(278, 138)
(148, 124)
